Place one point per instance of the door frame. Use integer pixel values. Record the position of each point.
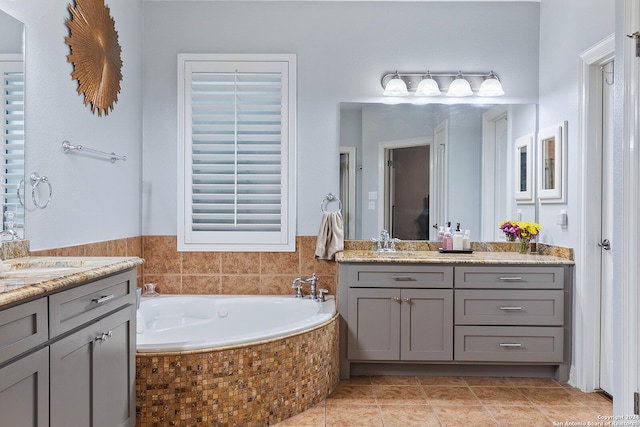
(585, 372)
(382, 169)
(350, 152)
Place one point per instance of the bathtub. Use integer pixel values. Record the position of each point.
(249, 361)
(180, 322)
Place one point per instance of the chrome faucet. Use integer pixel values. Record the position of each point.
(12, 233)
(311, 280)
(386, 243)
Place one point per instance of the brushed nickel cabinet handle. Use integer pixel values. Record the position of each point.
(104, 336)
(507, 279)
(103, 299)
(514, 308)
(510, 345)
(404, 279)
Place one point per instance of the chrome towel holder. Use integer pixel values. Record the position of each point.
(67, 147)
(329, 198)
(35, 180)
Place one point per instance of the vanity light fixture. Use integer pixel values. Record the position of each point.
(427, 84)
(395, 87)
(491, 86)
(460, 86)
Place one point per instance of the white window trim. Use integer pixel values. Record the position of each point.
(287, 237)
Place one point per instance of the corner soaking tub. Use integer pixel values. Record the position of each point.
(233, 360)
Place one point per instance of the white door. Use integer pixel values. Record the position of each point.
(608, 247)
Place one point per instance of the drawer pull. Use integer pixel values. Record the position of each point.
(404, 279)
(104, 336)
(510, 279)
(507, 308)
(103, 299)
(510, 345)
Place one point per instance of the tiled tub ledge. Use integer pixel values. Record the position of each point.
(257, 384)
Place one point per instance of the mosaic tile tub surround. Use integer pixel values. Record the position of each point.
(249, 385)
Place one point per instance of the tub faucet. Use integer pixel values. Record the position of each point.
(311, 281)
(12, 233)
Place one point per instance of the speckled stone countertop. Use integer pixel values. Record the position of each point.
(483, 253)
(32, 276)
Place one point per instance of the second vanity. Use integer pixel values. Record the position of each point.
(485, 313)
(67, 341)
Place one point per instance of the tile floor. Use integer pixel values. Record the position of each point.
(407, 401)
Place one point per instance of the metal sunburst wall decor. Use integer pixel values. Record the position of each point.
(95, 54)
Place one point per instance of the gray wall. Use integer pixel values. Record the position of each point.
(343, 49)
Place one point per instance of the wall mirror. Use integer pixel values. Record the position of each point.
(420, 166)
(551, 158)
(12, 54)
(523, 169)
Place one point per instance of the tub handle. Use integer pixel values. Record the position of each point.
(103, 299)
(321, 293)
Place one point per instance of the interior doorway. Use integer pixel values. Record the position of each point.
(407, 192)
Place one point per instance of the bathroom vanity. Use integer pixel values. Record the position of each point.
(423, 312)
(67, 342)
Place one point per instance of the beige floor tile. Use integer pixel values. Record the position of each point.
(467, 416)
(357, 380)
(341, 415)
(450, 396)
(500, 396)
(313, 417)
(572, 414)
(595, 400)
(488, 381)
(519, 416)
(395, 380)
(550, 396)
(408, 416)
(534, 382)
(442, 381)
(399, 395)
(353, 394)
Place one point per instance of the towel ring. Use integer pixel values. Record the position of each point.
(328, 199)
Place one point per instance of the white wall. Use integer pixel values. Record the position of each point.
(343, 49)
(93, 200)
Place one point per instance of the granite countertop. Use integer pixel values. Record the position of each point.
(27, 277)
(435, 257)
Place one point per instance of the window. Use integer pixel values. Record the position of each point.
(12, 114)
(236, 152)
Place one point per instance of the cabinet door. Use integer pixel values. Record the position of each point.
(92, 374)
(24, 391)
(427, 324)
(114, 371)
(374, 324)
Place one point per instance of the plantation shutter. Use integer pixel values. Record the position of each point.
(238, 153)
(12, 115)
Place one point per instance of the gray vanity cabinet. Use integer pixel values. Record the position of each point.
(93, 368)
(422, 316)
(67, 359)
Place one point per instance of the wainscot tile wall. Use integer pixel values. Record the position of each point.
(234, 273)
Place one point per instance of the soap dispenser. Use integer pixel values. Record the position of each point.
(466, 240)
(447, 240)
(458, 239)
(441, 233)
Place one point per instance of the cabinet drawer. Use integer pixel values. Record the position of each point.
(509, 307)
(508, 344)
(22, 328)
(506, 277)
(401, 275)
(72, 308)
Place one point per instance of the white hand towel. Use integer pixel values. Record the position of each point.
(330, 236)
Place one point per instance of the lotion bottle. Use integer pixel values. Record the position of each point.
(466, 240)
(458, 239)
(441, 233)
(447, 240)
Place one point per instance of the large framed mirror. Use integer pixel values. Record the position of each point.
(418, 167)
(12, 96)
